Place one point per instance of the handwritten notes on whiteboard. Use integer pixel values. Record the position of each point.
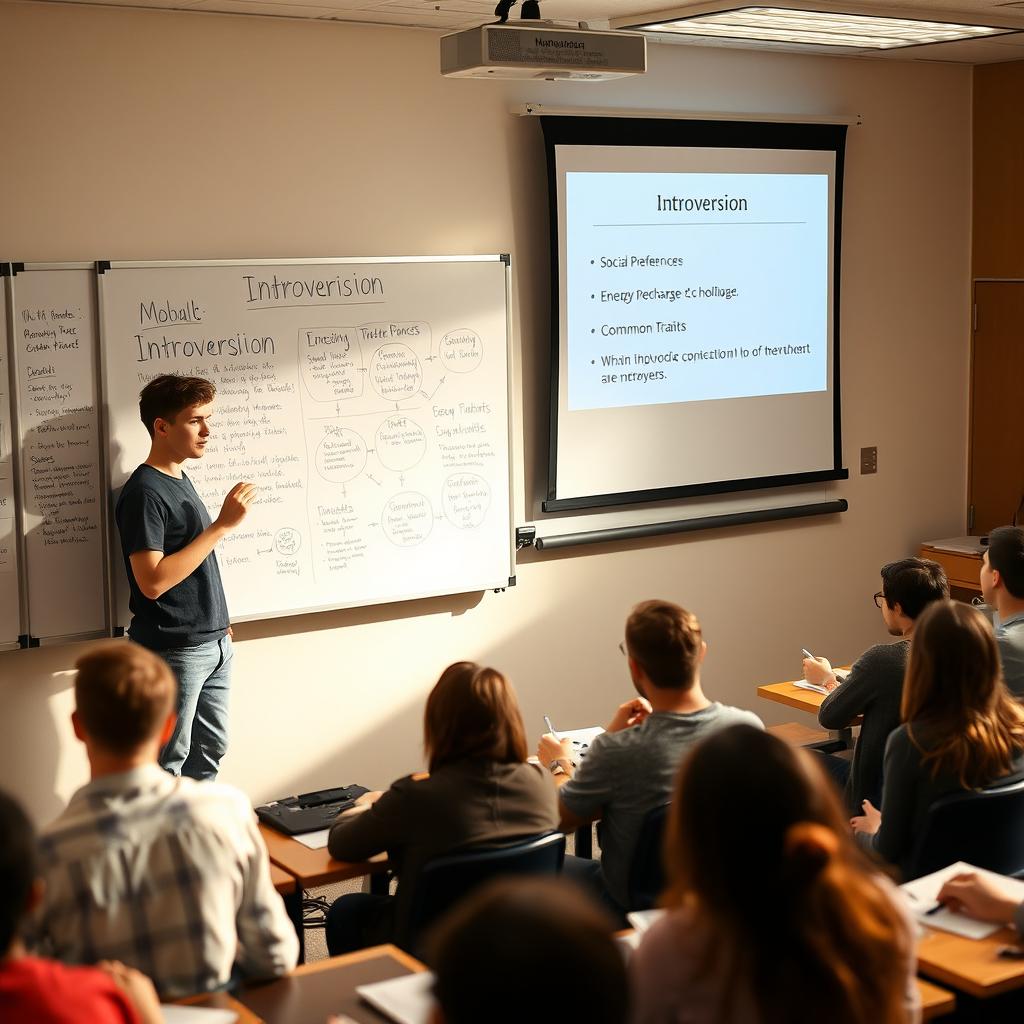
(59, 444)
(368, 401)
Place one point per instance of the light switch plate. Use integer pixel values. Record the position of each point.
(868, 461)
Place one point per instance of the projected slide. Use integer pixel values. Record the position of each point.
(694, 287)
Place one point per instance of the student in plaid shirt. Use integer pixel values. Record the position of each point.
(166, 874)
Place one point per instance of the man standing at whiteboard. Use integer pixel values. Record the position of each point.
(177, 600)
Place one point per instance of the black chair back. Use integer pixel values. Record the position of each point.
(445, 881)
(647, 870)
(982, 827)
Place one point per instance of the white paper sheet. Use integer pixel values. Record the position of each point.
(314, 840)
(641, 920)
(407, 1000)
(802, 684)
(923, 894)
(197, 1015)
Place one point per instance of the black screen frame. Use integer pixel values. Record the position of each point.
(666, 132)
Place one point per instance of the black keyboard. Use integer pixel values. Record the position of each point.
(309, 812)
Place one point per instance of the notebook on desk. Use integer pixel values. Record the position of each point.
(308, 812)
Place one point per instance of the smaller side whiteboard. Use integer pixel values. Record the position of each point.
(63, 500)
(10, 588)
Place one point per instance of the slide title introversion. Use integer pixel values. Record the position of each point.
(689, 204)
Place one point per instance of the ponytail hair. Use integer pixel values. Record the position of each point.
(797, 915)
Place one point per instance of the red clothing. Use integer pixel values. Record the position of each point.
(34, 991)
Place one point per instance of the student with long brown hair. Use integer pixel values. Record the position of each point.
(961, 728)
(479, 788)
(774, 915)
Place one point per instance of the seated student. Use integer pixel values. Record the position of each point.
(981, 897)
(629, 769)
(34, 991)
(480, 789)
(167, 874)
(520, 947)
(874, 685)
(773, 913)
(962, 729)
(1002, 586)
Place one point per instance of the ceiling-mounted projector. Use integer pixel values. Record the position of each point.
(537, 49)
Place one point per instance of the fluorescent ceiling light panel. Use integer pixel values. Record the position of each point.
(819, 28)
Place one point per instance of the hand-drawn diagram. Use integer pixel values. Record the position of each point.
(419, 437)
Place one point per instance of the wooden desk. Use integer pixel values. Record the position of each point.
(792, 696)
(312, 992)
(970, 965)
(935, 1001)
(222, 1001)
(284, 883)
(963, 570)
(315, 867)
(797, 735)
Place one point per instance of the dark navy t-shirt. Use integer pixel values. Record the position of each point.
(157, 512)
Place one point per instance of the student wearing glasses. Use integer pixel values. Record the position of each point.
(874, 686)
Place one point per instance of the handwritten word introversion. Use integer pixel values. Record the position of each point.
(279, 290)
(239, 344)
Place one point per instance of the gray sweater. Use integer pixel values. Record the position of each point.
(874, 689)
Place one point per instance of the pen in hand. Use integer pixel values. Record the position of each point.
(551, 728)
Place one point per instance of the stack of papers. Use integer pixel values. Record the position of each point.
(407, 1000)
(923, 894)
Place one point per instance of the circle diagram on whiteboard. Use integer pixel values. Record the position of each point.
(407, 519)
(395, 372)
(461, 351)
(287, 541)
(341, 455)
(400, 443)
(466, 498)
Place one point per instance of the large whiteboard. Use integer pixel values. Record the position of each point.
(368, 400)
(63, 494)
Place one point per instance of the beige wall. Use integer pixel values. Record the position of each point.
(144, 135)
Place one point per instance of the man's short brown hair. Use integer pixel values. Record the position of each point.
(665, 641)
(123, 695)
(165, 396)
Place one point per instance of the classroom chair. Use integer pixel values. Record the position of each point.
(445, 880)
(647, 868)
(982, 827)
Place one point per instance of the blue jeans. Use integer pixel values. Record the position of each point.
(200, 736)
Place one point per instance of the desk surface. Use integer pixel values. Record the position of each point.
(962, 567)
(792, 696)
(314, 867)
(284, 883)
(935, 1001)
(222, 1001)
(970, 965)
(314, 991)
